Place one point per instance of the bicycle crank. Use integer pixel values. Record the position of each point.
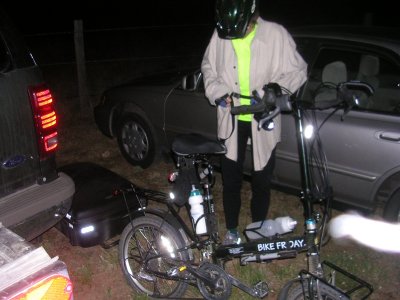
(213, 282)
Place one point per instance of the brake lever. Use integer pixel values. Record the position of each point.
(271, 115)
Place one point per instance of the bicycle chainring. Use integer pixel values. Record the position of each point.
(222, 286)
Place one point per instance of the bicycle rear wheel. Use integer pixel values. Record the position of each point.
(146, 237)
(295, 290)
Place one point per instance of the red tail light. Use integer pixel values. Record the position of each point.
(172, 176)
(45, 119)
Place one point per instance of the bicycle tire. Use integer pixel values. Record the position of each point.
(293, 290)
(140, 240)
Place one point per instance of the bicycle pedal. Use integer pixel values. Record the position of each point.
(261, 289)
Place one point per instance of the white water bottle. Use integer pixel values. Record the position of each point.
(197, 211)
(269, 228)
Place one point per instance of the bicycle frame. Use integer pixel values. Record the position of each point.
(314, 265)
(279, 247)
(265, 249)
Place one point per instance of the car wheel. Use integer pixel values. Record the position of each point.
(392, 210)
(136, 141)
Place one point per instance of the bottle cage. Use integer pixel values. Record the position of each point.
(185, 178)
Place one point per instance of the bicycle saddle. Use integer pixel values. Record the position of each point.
(187, 144)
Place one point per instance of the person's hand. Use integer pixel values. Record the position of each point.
(224, 101)
(228, 101)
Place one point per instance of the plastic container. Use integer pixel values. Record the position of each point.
(197, 211)
(268, 228)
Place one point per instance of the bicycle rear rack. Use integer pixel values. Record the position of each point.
(350, 284)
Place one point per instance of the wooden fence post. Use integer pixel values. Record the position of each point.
(81, 67)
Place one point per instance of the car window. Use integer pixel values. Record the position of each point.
(387, 94)
(337, 65)
(4, 58)
(306, 47)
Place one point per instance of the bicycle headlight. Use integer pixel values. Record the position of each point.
(309, 131)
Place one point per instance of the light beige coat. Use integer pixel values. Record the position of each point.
(274, 58)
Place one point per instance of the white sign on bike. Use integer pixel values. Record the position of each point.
(281, 245)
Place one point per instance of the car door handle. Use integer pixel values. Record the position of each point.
(389, 137)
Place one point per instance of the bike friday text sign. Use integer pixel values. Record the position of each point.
(263, 246)
(281, 245)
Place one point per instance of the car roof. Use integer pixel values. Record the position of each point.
(384, 36)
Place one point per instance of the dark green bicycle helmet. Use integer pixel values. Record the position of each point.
(233, 17)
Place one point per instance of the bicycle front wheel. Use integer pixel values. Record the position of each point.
(295, 290)
(146, 237)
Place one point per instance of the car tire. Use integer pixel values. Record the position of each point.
(392, 209)
(136, 140)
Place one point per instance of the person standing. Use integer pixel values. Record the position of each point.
(245, 53)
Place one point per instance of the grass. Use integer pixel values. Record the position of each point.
(85, 274)
(110, 257)
(382, 270)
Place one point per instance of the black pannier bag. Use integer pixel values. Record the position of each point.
(99, 207)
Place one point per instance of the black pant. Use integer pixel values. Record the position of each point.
(232, 176)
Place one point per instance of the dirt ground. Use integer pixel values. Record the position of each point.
(95, 271)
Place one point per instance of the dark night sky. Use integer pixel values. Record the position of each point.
(59, 15)
(115, 13)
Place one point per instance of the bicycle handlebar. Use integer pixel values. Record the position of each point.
(248, 109)
(267, 107)
(273, 101)
(346, 93)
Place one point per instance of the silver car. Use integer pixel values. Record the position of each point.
(362, 146)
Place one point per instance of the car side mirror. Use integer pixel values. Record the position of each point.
(189, 82)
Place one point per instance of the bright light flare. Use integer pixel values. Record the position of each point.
(309, 131)
(167, 245)
(87, 229)
(376, 234)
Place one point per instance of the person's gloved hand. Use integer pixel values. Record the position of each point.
(253, 101)
(224, 101)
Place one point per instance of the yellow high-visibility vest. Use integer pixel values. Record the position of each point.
(243, 52)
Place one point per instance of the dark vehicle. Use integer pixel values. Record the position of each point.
(361, 148)
(33, 195)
